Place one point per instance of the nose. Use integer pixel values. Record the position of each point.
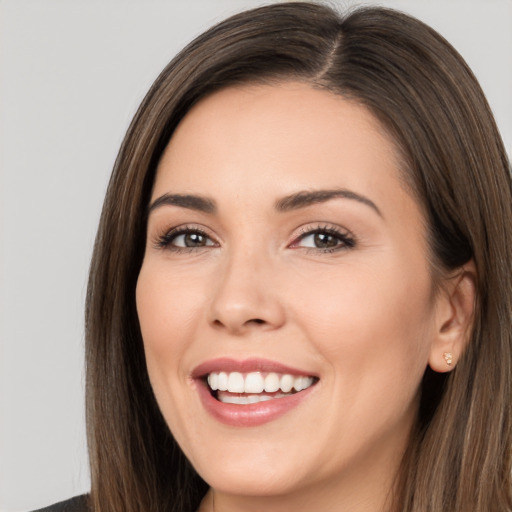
(247, 296)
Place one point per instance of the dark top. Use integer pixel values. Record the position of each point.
(76, 504)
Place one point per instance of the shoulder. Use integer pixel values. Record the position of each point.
(76, 504)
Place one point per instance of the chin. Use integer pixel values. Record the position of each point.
(249, 479)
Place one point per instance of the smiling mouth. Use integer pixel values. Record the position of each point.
(250, 388)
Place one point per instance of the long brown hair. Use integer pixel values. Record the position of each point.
(454, 161)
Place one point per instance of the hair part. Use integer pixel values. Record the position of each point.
(455, 164)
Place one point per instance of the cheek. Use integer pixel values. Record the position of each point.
(170, 305)
(373, 326)
(168, 311)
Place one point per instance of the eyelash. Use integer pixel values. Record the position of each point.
(165, 240)
(345, 239)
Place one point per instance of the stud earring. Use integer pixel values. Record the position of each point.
(448, 357)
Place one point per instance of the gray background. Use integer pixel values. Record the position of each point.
(71, 76)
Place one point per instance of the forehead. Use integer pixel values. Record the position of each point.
(276, 139)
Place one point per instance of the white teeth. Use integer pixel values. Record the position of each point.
(213, 381)
(286, 383)
(248, 399)
(223, 381)
(235, 382)
(301, 383)
(255, 382)
(272, 382)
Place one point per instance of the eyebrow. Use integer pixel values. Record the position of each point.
(192, 202)
(307, 198)
(294, 201)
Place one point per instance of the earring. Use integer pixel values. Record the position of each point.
(448, 357)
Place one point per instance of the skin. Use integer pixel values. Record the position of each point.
(364, 318)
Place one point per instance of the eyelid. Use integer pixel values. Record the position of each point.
(344, 235)
(163, 239)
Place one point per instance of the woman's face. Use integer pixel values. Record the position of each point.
(284, 251)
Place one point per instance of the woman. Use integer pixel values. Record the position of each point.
(300, 293)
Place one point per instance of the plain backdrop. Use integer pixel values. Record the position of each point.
(72, 73)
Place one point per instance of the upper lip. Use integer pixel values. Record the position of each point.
(225, 364)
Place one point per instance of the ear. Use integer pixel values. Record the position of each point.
(455, 307)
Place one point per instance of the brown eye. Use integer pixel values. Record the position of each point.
(185, 238)
(325, 240)
(191, 239)
(194, 240)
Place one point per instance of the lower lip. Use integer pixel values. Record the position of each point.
(249, 415)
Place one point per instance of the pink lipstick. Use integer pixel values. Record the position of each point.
(251, 392)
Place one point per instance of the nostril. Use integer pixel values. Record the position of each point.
(218, 323)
